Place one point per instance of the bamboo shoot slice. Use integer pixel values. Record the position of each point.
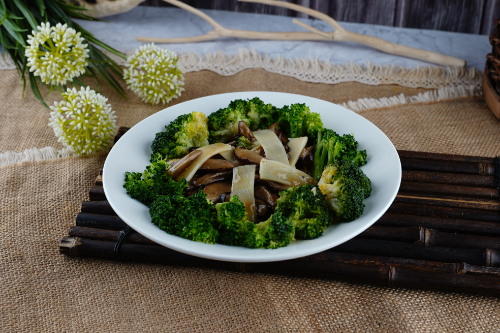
(296, 146)
(283, 174)
(206, 153)
(243, 187)
(229, 155)
(272, 145)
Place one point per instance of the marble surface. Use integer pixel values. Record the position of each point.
(120, 32)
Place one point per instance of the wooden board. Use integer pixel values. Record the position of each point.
(443, 234)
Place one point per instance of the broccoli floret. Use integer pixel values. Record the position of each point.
(234, 227)
(153, 182)
(242, 141)
(186, 131)
(297, 120)
(345, 186)
(261, 115)
(278, 231)
(190, 217)
(307, 210)
(223, 123)
(332, 147)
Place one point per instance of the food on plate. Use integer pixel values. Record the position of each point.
(251, 175)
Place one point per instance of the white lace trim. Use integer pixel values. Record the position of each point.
(32, 155)
(317, 71)
(428, 96)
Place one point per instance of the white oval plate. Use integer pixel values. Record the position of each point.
(132, 153)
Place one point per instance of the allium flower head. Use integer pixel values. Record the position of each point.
(154, 74)
(83, 121)
(56, 54)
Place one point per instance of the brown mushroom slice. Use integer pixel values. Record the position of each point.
(183, 163)
(283, 173)
(247, 156)
(206, 153)
(306, 157)
(271, 186)
(272, 145)
(273, 127)
(262, 193)
(210, 178)
(245, 131)
(216, 190)
(296, 145)
(216, 165)
(261, 208)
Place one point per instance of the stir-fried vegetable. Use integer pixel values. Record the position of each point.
(252, 186)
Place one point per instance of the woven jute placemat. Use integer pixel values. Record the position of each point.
(44, 291)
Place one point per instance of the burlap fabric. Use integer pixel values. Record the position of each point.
(44, 291)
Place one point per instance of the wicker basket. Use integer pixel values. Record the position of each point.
(491, 74)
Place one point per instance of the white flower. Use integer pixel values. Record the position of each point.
(154, 74)
(56, 54)
(83, 121)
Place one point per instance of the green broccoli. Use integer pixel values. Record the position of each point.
(345, 186)
(297, 120)
(188, 217)
(261, 115)
(278, 231)
(223, 123)
(332, 147)
(186, 131)
(234, 227)
(153, 182)
(306, 208)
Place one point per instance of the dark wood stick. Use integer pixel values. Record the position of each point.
(81, 247)
(317, 268)
(383, 241)
(98, 181)
(481, 257)
(448, 201)
(444, 157)
(449, 178)
(447, 212)
(98, 221)
(96, 193)
(441, 224)
(484, 169)
(108, 235)
(122, 130)
(97, 207)
(458, 190)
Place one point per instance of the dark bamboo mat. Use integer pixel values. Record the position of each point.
(442, 232)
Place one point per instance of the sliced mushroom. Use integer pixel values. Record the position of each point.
(225, 197)
(210, 178)
(306, 157)
(262, 210)
(245, 131)
(262, 193)
(273, 126)
(272, 186)
(183, 163)
(216, 164)
(247, 156)
(216, 190)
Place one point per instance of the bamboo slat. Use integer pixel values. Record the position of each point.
(442, 232)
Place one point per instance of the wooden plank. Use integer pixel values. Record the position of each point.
(448, 15)
(490, 14)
